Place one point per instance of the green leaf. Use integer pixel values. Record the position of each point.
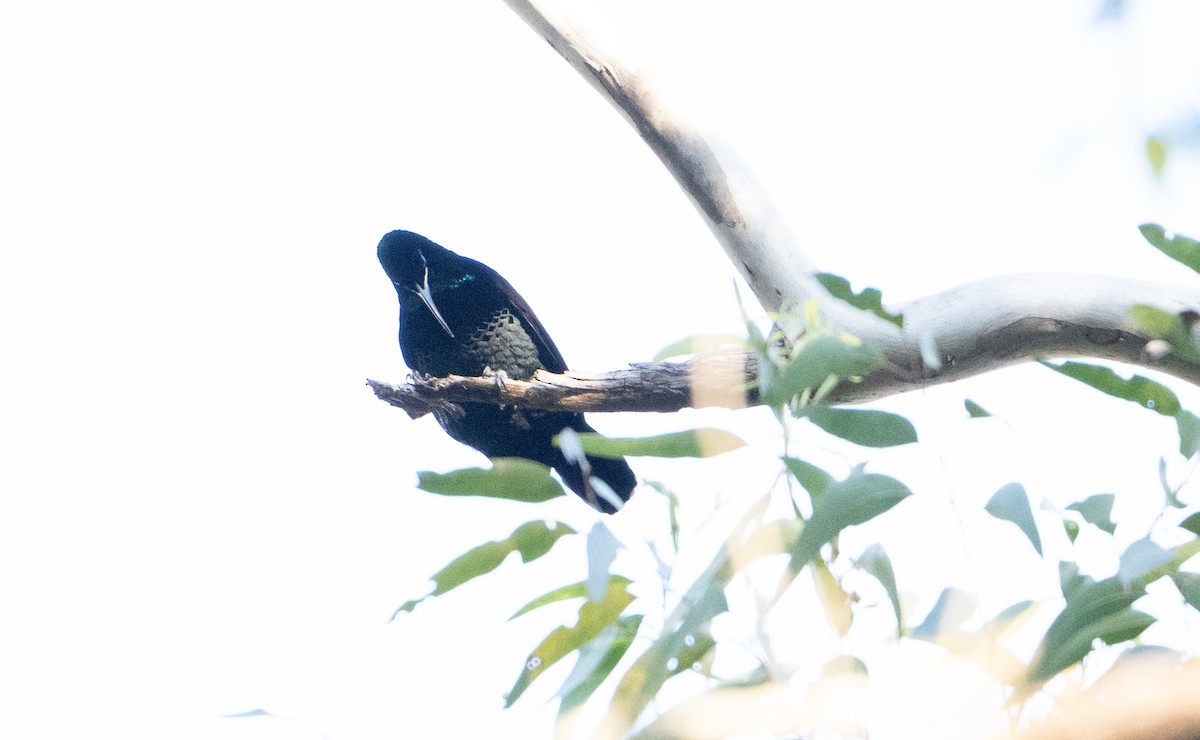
(862, 426)
(512, 478)
(1071, 528)
(818, 360)
(1192, 523)
(1156, 154)
(814, 479)
(602, 549)
(597, 660)
(1070, 579)
(1099, 610)
(836, 602)
(1138, 389)
(870, 299)
(594, 618)
(698, 344)
(975, 410)
(953, 607)
(1011, 504)
(1169, 327)
(876, 562)
(1140, 558)
(1188, 425)
(693, 652)
(1156, 322)
(1097, 511)
(1189, 587)
(571, 591)
(1179, 248)
(1170, 493)
(858, 499)
(532, 540)
(683, 631)
(690, 443)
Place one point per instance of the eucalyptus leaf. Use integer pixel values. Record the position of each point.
(1070, 579)
(1158, 323)
(594, 618)
(690, 443)
(866, 427)
(1179, 248)
(817, 361)
(1188, 425)
(1156, 154)
(876, 562)
(1011, 504)
(602, 549)
(562, 593)
(597, 659)
(814, 479)
(870, 299)
(1169, 327)
(675, 646)
(1097, 511)
(1189, 587)
(512, 478)
(1098, 610)
(975, 410)
(532, 540)
(855, 500)
(1192, 523)
(834, 599)
(1138, 389)
(1140, 558)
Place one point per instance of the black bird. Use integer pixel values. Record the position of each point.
(459, 316)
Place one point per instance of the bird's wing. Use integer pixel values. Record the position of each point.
(551, 358)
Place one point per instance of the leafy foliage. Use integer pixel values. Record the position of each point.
(628, 646)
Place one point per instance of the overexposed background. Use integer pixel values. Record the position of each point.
(203, 510)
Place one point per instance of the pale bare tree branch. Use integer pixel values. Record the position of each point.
(960, 332)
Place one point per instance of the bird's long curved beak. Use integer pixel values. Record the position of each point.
(426, 297)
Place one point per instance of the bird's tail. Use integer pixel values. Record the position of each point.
(605, 483)
(615, 475)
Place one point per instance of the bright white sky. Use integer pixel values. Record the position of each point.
(206, 512)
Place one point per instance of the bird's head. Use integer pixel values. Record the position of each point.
(403, 255)
(406, 258)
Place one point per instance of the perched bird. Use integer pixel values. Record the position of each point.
(459, 316)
